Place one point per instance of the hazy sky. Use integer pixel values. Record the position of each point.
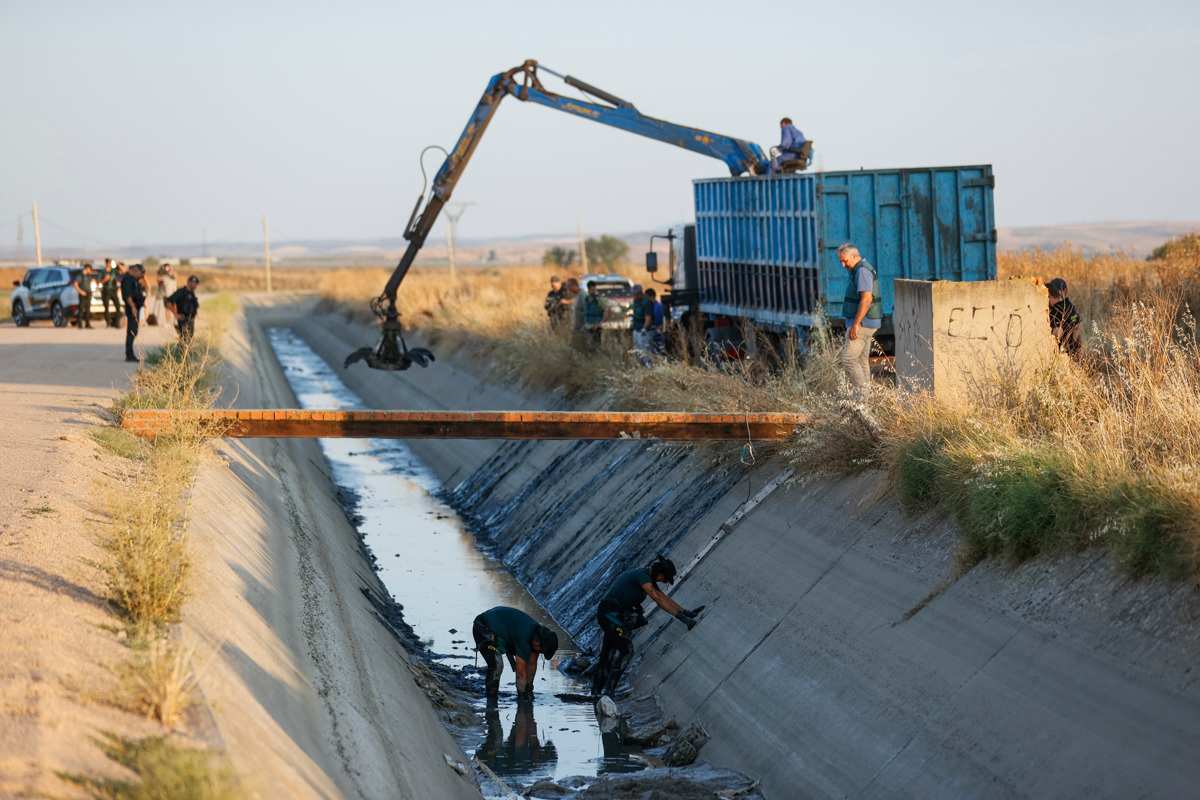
(144, 122)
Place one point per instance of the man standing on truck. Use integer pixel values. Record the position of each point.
(863, 314)
(790, 142)
(620, 614)
(517, 636)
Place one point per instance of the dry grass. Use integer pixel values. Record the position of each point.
(160, 683)
(148, 565)
(1102, 452)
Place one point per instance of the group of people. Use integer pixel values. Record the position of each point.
(504, 633)
(127, 289)
(566, 304)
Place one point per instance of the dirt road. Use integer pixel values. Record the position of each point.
(53, 384)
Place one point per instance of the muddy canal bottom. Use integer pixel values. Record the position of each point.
(434, 568)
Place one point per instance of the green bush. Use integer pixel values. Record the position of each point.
(165, 771)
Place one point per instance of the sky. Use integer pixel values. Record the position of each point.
(169, 122)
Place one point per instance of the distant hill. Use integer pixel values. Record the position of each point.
(1131, 238)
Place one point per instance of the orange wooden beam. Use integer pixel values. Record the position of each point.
(295, 423)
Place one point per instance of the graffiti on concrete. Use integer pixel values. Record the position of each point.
(985, 323)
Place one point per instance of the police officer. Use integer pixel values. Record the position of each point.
(517, 636)
(185, 306)
(108, 293)
(557, 302)
(84, 285)
(620, 613)
(135, 298)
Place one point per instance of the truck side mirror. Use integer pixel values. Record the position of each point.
(651, 262)
(16, 283)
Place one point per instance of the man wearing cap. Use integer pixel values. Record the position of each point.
(863, 314)
(620, 614)
(1064, 318)
(185, 306)
(517, 636)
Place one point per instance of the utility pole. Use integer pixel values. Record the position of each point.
(581, 244)
(453, 215)
(37, 237)
(267, 251)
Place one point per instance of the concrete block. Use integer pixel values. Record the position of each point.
(957, 339)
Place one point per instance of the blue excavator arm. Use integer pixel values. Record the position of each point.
(523, 83)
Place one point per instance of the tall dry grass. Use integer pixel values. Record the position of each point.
(1102, 452)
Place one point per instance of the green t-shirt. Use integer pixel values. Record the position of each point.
(626, 591)
(514, 630)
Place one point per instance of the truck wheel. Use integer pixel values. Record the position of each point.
(57, 316)
(19, 317)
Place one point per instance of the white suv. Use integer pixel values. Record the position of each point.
(47, 293)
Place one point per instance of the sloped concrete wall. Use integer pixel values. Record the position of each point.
(839, 655)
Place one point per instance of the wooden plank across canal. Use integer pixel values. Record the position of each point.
(295, 423)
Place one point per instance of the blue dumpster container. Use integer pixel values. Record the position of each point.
(766, 247)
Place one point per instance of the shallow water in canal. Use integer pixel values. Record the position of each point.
(434, 567)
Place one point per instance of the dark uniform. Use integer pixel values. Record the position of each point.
(503, 631)
(135, 298)
(85, 285)
(187, 306)
(619, 615)
(108, 294)
(555, 309)
(1065, 322)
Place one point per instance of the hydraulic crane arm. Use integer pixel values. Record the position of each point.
(522, 82)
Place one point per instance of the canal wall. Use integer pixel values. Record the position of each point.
(839, 654)
(309, 693)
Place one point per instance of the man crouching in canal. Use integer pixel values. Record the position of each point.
(516, 635)
(620, 614)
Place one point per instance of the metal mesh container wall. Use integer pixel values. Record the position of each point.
(767, 246)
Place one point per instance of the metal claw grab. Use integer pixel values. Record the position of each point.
(392, 353)
(524, 83)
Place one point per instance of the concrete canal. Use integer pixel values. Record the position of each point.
(435, 569)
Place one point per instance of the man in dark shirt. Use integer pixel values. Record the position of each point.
(517, 636)
(134, 298)
(620, 613)
(1064, 318)
(185, 306)
(84, 286)
(109, 284)
(558, 303)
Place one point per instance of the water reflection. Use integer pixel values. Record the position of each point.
(522, 754)
(433, 567)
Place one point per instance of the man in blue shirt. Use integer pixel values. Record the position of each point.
(790, 142)
(863, 314)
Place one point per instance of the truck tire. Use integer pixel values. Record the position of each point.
(19, 317)
(58, 316)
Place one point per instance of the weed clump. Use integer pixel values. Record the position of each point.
(164, 770)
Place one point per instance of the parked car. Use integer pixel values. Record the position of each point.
(48, 293)
(616, 296)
